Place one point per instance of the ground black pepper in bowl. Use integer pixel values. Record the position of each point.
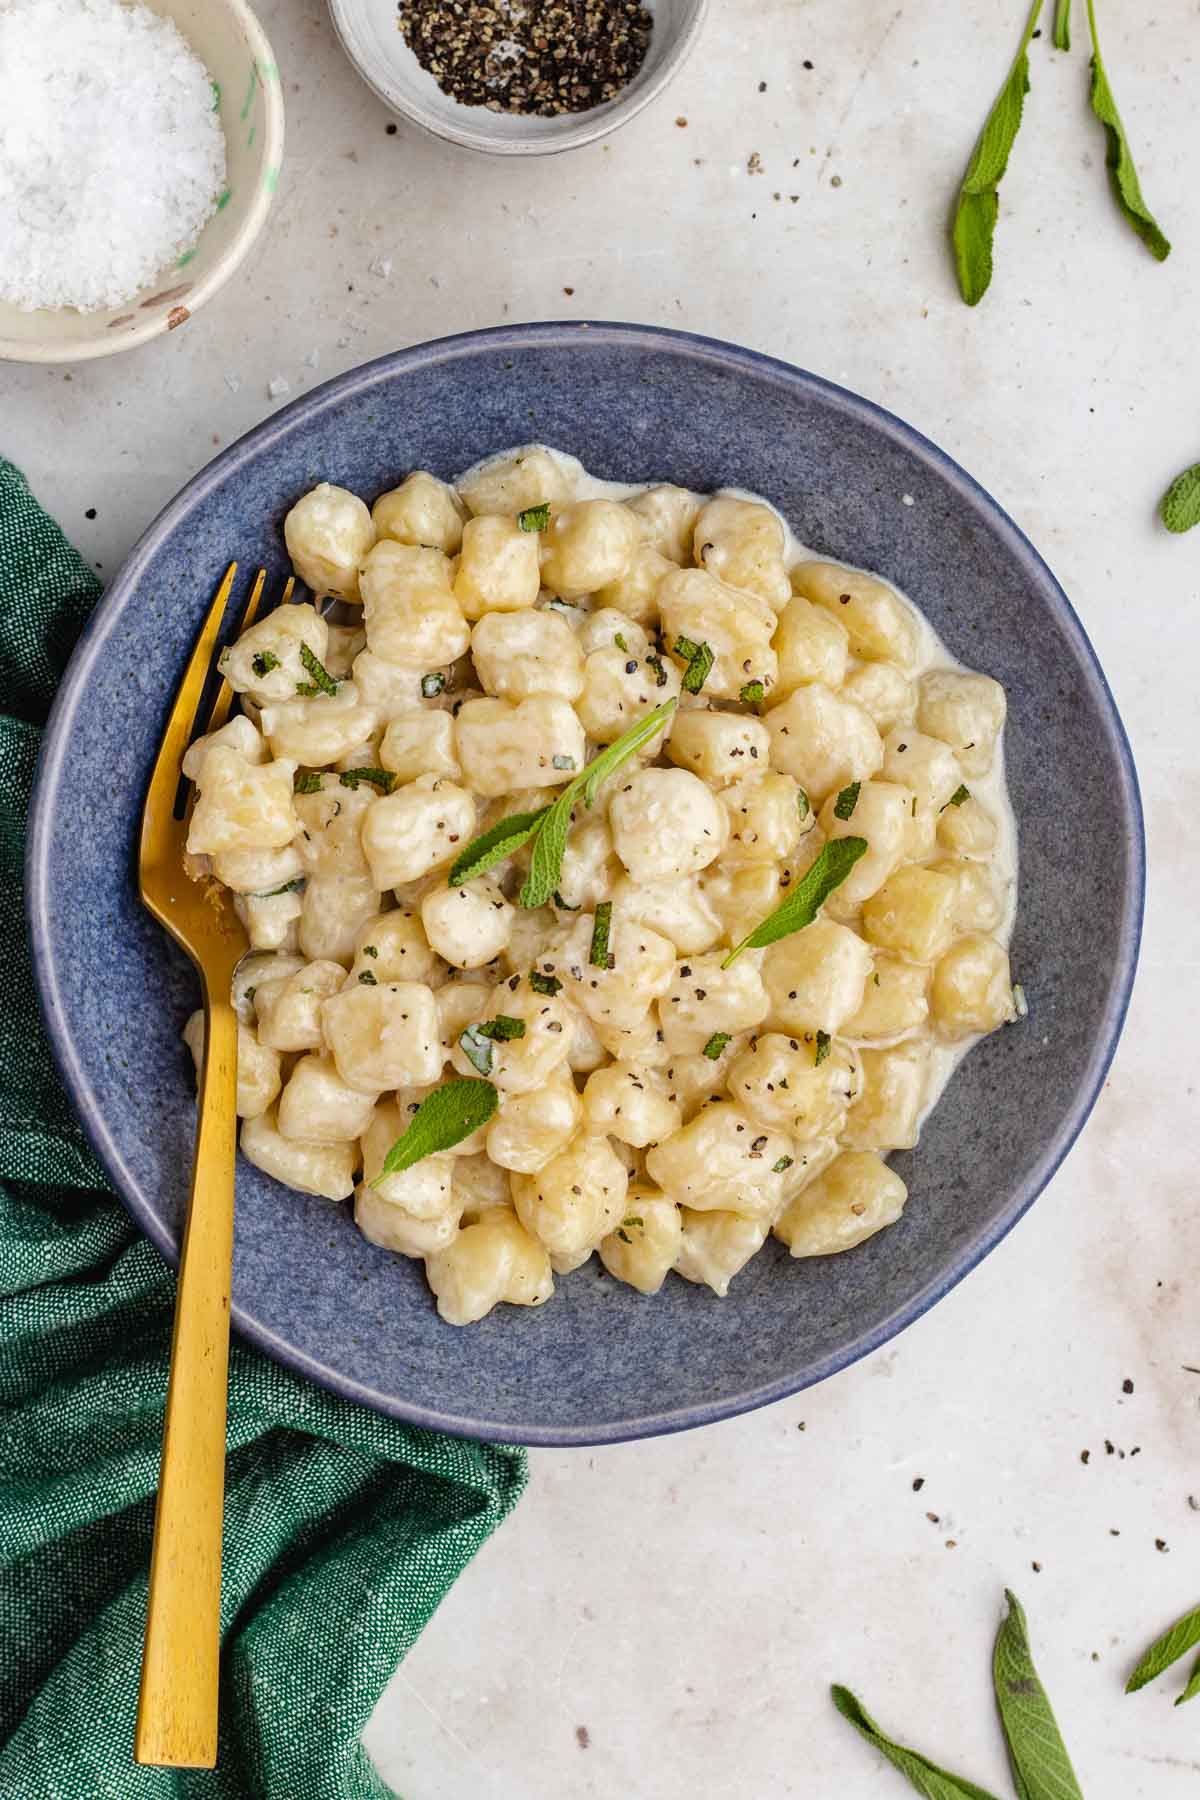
(528, 56)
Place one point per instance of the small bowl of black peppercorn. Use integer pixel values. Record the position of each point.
(518, 77)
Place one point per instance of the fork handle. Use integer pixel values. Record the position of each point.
(177, 1705)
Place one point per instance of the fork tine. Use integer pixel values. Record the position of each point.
(224, 699)
(160, 797)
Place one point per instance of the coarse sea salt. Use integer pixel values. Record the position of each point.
(111, 152)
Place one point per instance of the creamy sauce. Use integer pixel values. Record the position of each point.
(990, 789)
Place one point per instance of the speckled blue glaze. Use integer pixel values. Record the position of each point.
(600, 1362)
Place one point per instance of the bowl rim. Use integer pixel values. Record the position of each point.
(53, 350)
(597, 122)
(334, 393)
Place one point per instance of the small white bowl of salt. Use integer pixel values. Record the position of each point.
(140, 144)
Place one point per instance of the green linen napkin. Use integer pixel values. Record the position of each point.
(343, 1529)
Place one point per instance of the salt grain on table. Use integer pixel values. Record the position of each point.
(112, 157)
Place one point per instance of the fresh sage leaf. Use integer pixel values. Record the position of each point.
(534, 518)
(322, 680)
(962, 792)
(1123, 177)
(544, 984)
(978, 199)
(555, 827)
(1175, 1642)
(1180, 506)
(716, 1045)
(752, 693)
(1193, 1686)
(443, 1119)
(806, 898)
(1062, 25)
(306, 781)
(1040, 1765)
(822, 1051)
(493, 845)
(928, 1779)
(548, 850)
(264, 662)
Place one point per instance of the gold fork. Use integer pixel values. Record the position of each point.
(177, 1705)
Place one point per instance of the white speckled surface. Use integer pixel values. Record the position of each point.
(688, 1601)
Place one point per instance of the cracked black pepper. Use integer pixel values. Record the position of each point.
(528, 56)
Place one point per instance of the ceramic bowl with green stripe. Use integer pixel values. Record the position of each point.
(231, 43)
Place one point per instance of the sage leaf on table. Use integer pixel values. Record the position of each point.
(1179, 508)
(1175, 1642)
(443, 1119)
(978, 199)
(492, 846)
(925, 1776)
(1040, 1765)
(1062, 25)
(552, 833)
(806, 898)
(1193, 1685)
(1123, 175)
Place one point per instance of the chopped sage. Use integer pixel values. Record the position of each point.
(599, 955)
(322, 680)
(847, 800)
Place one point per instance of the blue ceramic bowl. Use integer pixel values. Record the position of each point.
(601, 1362)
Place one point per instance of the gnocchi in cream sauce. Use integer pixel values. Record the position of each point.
(466, 652)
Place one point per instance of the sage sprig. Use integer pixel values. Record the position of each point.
(1175, 1642)
(550, 826)
(978, 199)
(806, 898)
(1040, 1765)
(1041, 1768)
(1127, 189)
(443, 1119)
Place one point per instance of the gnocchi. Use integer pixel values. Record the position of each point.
(665, 1095)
